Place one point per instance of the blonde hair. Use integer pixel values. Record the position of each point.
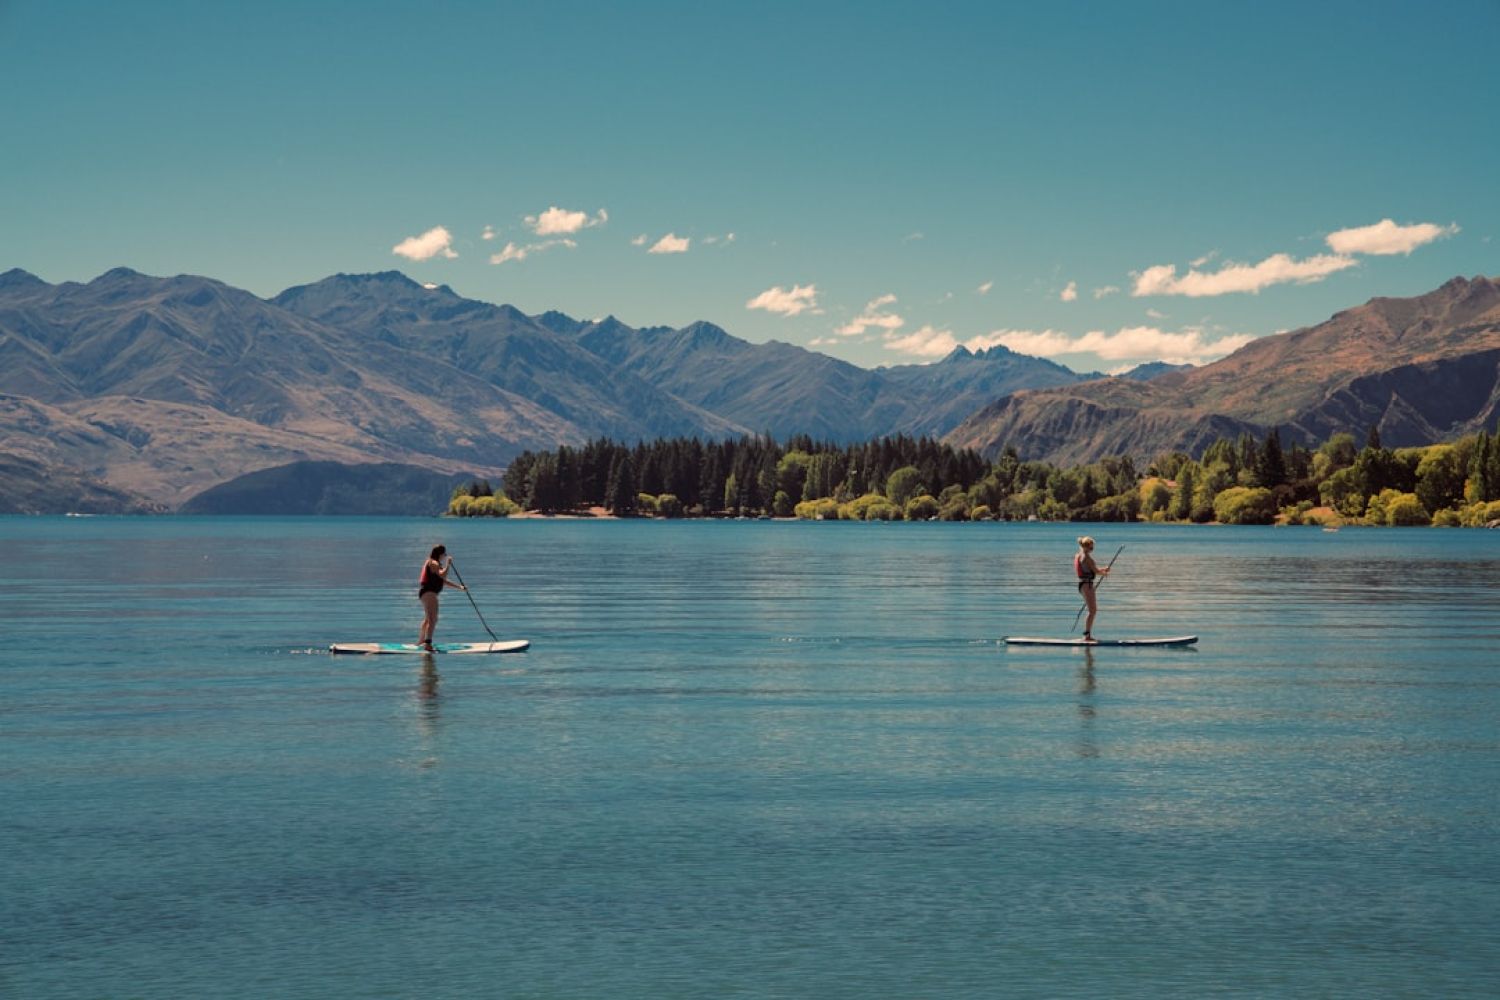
(1085, 542)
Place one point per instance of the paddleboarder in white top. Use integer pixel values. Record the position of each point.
(1087, 572)
(434, 579)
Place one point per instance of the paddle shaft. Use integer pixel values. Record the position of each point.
(1102, 577)
(470, 596)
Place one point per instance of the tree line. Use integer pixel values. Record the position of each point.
(1246, 480)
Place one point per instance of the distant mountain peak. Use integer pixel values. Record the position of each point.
(391, 278)
(701, 332)
(959, 353)
(559, 322)
(609, 324)
(17, 278)
(117, 274)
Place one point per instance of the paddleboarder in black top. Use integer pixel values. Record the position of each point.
(1087, 572)
(434, 579)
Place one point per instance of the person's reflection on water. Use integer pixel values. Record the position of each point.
(427, 708)
(1087, 747)
(427, 684)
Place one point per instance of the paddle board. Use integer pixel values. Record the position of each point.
(1026, 640)
(367, 648)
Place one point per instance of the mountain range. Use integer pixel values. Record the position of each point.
(137, 393)
(1418, 370)
(132, 392)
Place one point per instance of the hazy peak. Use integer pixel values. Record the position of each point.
(17, 278)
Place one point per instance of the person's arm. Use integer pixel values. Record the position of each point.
(443, 572)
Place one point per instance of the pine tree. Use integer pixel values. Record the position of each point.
(518, 477)
(542, 489)
(1270, 466)
(619, 495)
(1181, 508)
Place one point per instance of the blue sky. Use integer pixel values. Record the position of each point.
(1097, 183)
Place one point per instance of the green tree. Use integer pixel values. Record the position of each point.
(1338, 452)
(1344, 492)
(822, 509)
(791, 473)
(1181, 508)
(921, 508)
(1484, 469)
(517, 481)
(869, 507)
(1168, 464)
(1270, 464)
(903, 484)
(732, 495)
(1120, 507)
(1404, 509)
(544, 491)
(1440, 478)
(1216, 478)
(1155, 495)
(619, 490)
(1245, 505)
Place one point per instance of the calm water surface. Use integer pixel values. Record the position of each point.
(746, 759)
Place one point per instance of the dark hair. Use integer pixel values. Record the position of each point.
(438, 551)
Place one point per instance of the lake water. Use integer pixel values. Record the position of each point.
(746, 759)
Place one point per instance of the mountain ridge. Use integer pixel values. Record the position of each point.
(160, 388)
(1339, 375)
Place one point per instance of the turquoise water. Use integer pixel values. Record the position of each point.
(746, 759)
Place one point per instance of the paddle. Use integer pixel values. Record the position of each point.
(470, 596)
(1102, 577)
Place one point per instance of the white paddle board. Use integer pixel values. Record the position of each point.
(1027, 640)
(368, 648)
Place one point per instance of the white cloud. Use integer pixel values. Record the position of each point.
(512, 252)
(639, 241)
(984, 289)
(1100, 293)
(670, 243)
(928, 342)
(1276, 269)
(874, 315)
(912, 237)
(787, 301)
(436, 241)
(1070, 293)
(489, 233)
(1156, 314)
(724, 240)
(1190, 345)
(561, 222)
(1385, 238)
(1204, 259)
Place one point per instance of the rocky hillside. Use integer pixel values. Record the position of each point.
(1420, 370)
